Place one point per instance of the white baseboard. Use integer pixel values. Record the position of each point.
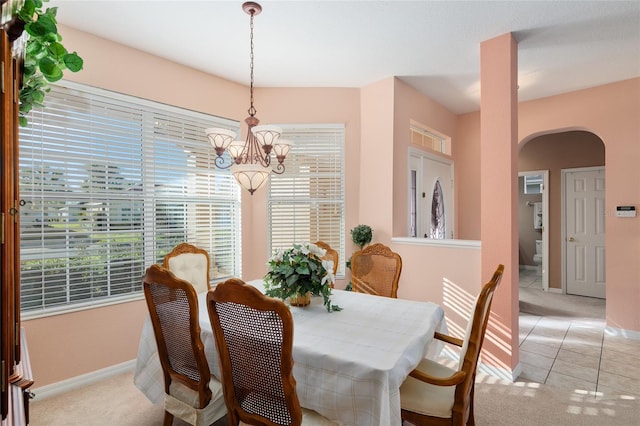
(555, 290)
(627, 334)
(53, 389)
(529, 267)
(501, 373)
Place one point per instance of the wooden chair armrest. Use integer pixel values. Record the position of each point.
(448, 339)
(453, 380)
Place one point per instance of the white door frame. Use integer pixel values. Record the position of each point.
(545, 223)
(563, 227)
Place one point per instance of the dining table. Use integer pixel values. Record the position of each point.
(348, 364)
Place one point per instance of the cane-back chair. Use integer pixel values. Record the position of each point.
(191, 393)
(254, 339)
(435, 394)
(190, 263)
(376, 270)
(331, 255)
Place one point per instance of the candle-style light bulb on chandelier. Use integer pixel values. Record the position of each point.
(250, 159)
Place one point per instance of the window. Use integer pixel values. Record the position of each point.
(306, 203)
(533, 184)
(437, 213)
(110, 184)
(427, 139)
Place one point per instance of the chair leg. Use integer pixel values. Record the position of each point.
(232, 419)
(471, 420)
(168, 419)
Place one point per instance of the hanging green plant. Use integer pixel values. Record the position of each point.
(45, 57)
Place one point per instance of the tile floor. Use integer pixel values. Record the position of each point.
(576, 352)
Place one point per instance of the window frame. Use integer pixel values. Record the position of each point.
(152, 116)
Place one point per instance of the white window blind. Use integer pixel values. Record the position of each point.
(306, 203)
(110, 184)
(428, 139)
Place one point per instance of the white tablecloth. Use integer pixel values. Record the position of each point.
(348, 365)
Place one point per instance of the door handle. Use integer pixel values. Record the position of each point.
(572, 240)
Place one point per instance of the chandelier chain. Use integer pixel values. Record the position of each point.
(252, 111)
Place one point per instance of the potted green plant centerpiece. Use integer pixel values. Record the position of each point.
(298, 273)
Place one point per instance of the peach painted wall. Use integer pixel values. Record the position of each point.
(377, 159)
(430, 271)
(555, 152)
(410, 105)
(466, 151)
(122, 69)
(433, 273)
(498, 192)
(610, 112)
(68, 345)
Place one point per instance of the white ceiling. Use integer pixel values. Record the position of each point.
(432, 45)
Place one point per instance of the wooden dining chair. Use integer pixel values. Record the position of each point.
(376, 270)
(435, 394)
(331, 255)
(190, 263)
(191, 392)
(254, 339)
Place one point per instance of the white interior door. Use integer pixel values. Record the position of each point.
(584, 231)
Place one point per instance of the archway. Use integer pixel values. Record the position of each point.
(555, 151)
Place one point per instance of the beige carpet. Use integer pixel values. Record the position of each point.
(117, 402)
(522, 403)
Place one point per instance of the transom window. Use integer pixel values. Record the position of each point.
(428, 139)
(110, 184)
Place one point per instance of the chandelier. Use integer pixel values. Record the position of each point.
(250, 160)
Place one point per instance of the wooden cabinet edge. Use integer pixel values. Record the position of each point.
(19, 393)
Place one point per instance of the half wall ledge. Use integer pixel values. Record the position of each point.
(429, 242)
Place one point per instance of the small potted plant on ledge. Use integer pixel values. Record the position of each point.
(361, 235)
(298, 273)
